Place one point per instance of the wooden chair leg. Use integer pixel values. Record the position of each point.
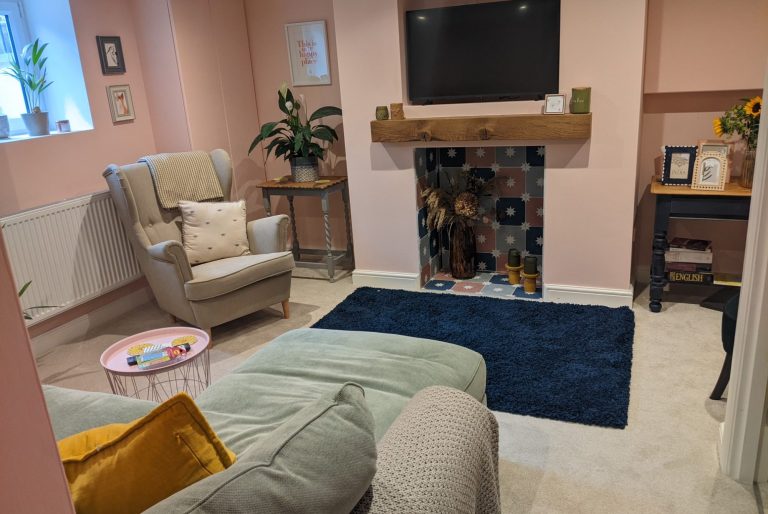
(286, 309)
(725, 376)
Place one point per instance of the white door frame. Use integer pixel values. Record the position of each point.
(744, 452)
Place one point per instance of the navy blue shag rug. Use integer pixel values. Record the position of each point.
(550, 360)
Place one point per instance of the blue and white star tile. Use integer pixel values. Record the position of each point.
(439, 285)
(534, 155)
(455, 156)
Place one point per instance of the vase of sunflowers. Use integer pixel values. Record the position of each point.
(743, 120)
(456, 208)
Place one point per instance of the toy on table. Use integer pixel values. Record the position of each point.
(146, 355)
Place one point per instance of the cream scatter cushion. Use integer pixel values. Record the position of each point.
(213, 230)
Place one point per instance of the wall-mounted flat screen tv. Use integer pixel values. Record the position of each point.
(483, 52)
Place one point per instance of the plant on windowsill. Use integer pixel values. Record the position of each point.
(31, 74)
(295, 139)
(457, 208)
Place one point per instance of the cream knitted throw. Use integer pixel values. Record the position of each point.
(183, 176)
(440, 456)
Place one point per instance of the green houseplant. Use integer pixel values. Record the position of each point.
(27, 313)
(31, 74)
(298, 138)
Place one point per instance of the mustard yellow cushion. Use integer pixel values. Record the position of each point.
(128, 467)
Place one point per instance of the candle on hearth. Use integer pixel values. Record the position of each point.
(513, 257)
(531, 265)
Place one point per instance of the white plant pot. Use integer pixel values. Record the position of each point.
(36, 123)
(5, 127)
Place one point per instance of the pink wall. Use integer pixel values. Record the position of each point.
(705, 45)
(33, 478)
(266, 30)
(161, 75)
(44, 170)
(676, 53)
(595, 180)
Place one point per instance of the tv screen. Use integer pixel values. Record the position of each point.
(483, 52)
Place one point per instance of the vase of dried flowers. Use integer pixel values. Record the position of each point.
(743, 120)
(456, 207)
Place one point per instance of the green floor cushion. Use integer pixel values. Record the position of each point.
(320, 460)
(301, 365)
(73, 411)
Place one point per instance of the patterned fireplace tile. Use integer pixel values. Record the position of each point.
(511, 211)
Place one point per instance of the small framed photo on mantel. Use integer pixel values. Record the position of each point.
(679, 162)
(111, 55)
(554, 104)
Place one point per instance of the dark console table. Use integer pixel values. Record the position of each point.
(684, 202)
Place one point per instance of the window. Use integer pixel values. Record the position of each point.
(13, 37)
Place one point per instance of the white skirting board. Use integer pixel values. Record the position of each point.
(78, 328)
(386, 279)
(588, 295)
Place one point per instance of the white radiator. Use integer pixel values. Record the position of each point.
(72, 251)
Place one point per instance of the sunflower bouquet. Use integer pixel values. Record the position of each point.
(743, 120)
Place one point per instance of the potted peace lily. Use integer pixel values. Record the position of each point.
(296, 138)
(31, 74)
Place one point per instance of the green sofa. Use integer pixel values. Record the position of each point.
(283, 382)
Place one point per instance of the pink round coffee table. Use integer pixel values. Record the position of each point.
(190, 373)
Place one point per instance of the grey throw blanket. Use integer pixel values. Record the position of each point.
(183, 176)
(440, 456)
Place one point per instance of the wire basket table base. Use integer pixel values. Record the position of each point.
(192, 377)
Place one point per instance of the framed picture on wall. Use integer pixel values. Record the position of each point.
(554, 104)
(121, 103)
(110, 55)
(308, 53)
(677, 169)
(711, 172)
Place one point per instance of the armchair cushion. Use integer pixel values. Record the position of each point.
(216, 278)
(213, 230)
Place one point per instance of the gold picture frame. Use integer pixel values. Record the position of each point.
(710, 172)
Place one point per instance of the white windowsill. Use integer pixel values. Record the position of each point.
(27, 137)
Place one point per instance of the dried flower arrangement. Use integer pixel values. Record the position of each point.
(459, 203)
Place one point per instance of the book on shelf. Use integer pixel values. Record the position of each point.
(684, 243)
(686, 277)
(727, 279)
(694, 267)
(688, 256)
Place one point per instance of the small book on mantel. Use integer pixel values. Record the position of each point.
(685, 277)
(690, 251)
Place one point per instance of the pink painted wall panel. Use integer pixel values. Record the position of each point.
(33, 478)
(161, 75)
(594, 180)
(705, 45)
(266, 31)
(43, 170)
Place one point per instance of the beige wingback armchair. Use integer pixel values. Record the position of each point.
(207, 294)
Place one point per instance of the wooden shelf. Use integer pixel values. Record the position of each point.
(523, 127)
(731, 189)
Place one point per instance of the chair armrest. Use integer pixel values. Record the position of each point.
(440, 455)
(268, 235)
(172, 252)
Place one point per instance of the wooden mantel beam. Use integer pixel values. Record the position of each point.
(523, 127)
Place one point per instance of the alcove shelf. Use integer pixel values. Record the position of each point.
(523, 127)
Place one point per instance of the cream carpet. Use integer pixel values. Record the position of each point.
(664, 461)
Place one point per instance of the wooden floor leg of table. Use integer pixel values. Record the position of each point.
(295, 248)
(327, 226)
(660, 226)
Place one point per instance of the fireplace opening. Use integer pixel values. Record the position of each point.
(509, 214)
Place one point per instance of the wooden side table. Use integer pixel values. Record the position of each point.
(322, 188)
(684, 202)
